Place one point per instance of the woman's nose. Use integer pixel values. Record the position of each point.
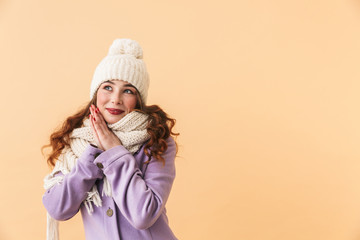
(116, 99)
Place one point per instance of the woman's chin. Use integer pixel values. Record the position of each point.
(113, 119)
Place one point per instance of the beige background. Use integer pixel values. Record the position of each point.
(265, 93)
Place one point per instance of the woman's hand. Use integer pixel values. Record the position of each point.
(104, 137)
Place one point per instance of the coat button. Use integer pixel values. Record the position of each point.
(99, 165)
(109, 212)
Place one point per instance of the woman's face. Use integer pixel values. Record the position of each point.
(115, 99)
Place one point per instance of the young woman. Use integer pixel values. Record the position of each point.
(114, 159)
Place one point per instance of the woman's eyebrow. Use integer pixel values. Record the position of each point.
(126, 85)
(108, 81)
(129, 85)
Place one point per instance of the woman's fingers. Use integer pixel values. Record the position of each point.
(105, 136)
(102, 131)
(100, 125)
(93, 129)
(101, 118)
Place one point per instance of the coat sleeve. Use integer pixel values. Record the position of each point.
(63, 200)
(140, 198)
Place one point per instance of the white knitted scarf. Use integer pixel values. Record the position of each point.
(132, 132)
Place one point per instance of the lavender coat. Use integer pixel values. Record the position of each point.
(140, 191)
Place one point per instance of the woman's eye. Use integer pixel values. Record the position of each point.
(128, 91)
(108, 87)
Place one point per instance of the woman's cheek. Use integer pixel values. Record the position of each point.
(100, 100)
(130, 103)
(133, 105)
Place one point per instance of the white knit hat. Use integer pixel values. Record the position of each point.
(123, 62)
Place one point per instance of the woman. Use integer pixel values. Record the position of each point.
(114, 159)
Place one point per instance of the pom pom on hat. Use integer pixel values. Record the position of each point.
(123, 62)
(126, 46)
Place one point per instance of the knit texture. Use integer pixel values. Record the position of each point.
(123, 62)
(132, 132)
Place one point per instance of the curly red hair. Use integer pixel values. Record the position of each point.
(160, 127)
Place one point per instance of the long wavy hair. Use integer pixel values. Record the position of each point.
(160, 127)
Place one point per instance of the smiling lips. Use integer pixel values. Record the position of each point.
(114, 111)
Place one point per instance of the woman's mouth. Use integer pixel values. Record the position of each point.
(114, 111)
